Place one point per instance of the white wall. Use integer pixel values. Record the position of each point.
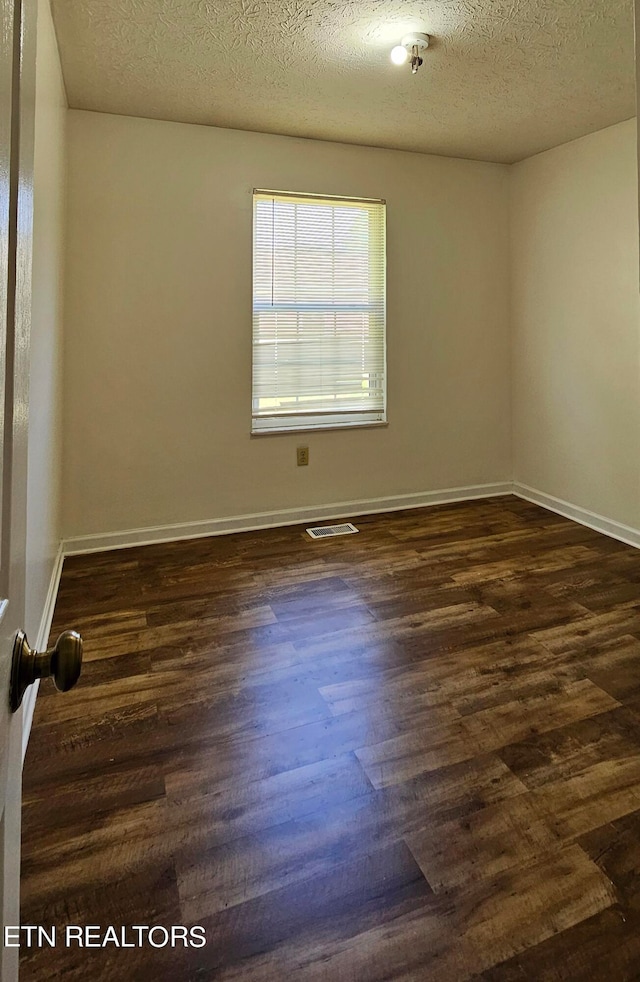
(575, 323)
(158, 326)
(43, 487)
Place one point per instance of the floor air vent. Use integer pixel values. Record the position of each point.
(324, 531)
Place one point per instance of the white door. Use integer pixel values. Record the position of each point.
(17, 102)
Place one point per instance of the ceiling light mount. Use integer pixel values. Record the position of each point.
(411, 47)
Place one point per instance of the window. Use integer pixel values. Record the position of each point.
(318, 312)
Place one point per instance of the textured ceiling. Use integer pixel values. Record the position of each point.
(503, 79)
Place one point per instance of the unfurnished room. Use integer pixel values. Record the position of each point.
(319, 491)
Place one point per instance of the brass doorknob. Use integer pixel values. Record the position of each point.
(63, 663)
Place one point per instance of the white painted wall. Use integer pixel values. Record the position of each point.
(158, 326)
(575, 316)
(43, 488)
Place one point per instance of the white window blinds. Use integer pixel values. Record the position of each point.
(318, 311)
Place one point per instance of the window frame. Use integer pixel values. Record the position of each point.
(263, 424)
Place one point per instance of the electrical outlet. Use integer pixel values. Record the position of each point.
(302, 454)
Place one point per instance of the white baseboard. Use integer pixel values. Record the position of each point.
(274, 519)
(103, 542)
(30, 696)
(616, 530)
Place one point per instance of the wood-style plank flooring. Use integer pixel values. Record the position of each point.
(411, 753)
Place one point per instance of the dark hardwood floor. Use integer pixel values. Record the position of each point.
(411, 753)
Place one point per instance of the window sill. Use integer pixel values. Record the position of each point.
(278, 431)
